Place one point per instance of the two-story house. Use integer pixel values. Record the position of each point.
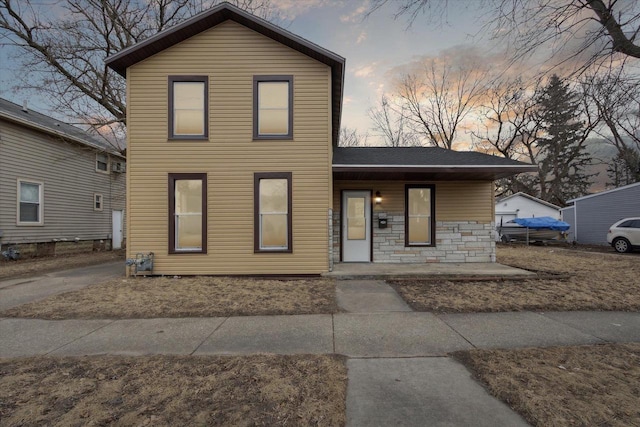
(233, 164)
(61, 189)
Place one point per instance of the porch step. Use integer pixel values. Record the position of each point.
(368, 296)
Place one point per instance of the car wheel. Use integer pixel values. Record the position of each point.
(505, 239)
(622, 245)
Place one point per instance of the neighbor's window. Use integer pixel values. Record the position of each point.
(30, 203)
(97, 202)
(102, 162)
(188, 213)
(419, 215)
(188, 107)
(273, 107)
(272, 212)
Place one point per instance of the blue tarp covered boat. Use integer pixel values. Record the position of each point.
(542, 222)
(533, 229)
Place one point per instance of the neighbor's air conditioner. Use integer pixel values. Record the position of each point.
(118, 167)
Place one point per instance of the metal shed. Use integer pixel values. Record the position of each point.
(591, 216)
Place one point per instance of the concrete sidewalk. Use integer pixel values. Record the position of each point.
(359, 335)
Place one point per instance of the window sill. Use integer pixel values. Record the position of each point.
(272, 251)
(419, 245)
(30, 224)
(272, 137)
(188, 138)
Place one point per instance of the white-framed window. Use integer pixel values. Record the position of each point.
(102, 162)
(30, 209)
(97, 202)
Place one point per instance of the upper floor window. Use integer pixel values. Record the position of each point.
(273, 107)
(188, 107)
(30, 203)
(102, 162)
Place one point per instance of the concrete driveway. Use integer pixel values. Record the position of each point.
(14, 292)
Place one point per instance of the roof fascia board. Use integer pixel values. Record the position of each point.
(530, 197)
(603, 192)
(54, 132)
(348, 166)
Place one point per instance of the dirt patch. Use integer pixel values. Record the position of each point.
(569, 280)
(35, 266)
(587, 385)
(198, 296)
(169, 391)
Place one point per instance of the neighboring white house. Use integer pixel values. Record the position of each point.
(591, 216)
(522, 205)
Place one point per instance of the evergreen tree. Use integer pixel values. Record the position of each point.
(562, 174)
(624, 168)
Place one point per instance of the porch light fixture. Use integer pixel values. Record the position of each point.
(378, 198)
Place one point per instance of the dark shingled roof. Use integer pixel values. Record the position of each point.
(422, 163)
(15, 113)
(219, 14)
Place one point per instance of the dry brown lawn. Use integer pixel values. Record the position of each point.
(583, 386)
(198, 296)
(34, 266)
(585, 281)
(172, 391)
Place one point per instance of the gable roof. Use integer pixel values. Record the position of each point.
(604, 192)
(530, 197)
(423, 163)
(32, 119)
(219, 14)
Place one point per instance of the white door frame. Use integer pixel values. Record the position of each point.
(117, 229)
(358, 249)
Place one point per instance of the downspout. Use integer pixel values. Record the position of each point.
(575, 221)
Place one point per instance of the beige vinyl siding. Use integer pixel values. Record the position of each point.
(67, 171)
(230, 55)
(455, 200)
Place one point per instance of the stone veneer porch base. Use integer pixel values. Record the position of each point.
(456, 241)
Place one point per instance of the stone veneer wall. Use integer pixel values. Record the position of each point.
(456, 241)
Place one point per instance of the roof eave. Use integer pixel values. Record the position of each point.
(57, 133)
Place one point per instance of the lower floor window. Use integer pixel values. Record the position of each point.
(272, 212)
(419, 215)
(187, 213)
(29, 203)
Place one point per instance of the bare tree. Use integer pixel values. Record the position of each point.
(585, 32)
(437, 100)
(62, 47)
(509, 127)
(350, 137)
(390, 124)
(618, 105)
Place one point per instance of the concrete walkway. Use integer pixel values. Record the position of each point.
(398, 369)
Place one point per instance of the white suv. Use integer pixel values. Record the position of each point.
(624, 235)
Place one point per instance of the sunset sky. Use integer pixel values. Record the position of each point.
(376, 47)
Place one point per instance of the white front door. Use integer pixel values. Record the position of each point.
(356, 226)
(116, 236)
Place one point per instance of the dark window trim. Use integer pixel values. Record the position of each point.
(272, 78)
(178, 79)
(173, 177)
(256, 211)
(432, 187)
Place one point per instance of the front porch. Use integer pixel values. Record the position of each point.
(364, 270)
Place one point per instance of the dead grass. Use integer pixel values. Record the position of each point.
(35, 266)
(170, 391)
(585, 386)
(590, 281)
(199, 296)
